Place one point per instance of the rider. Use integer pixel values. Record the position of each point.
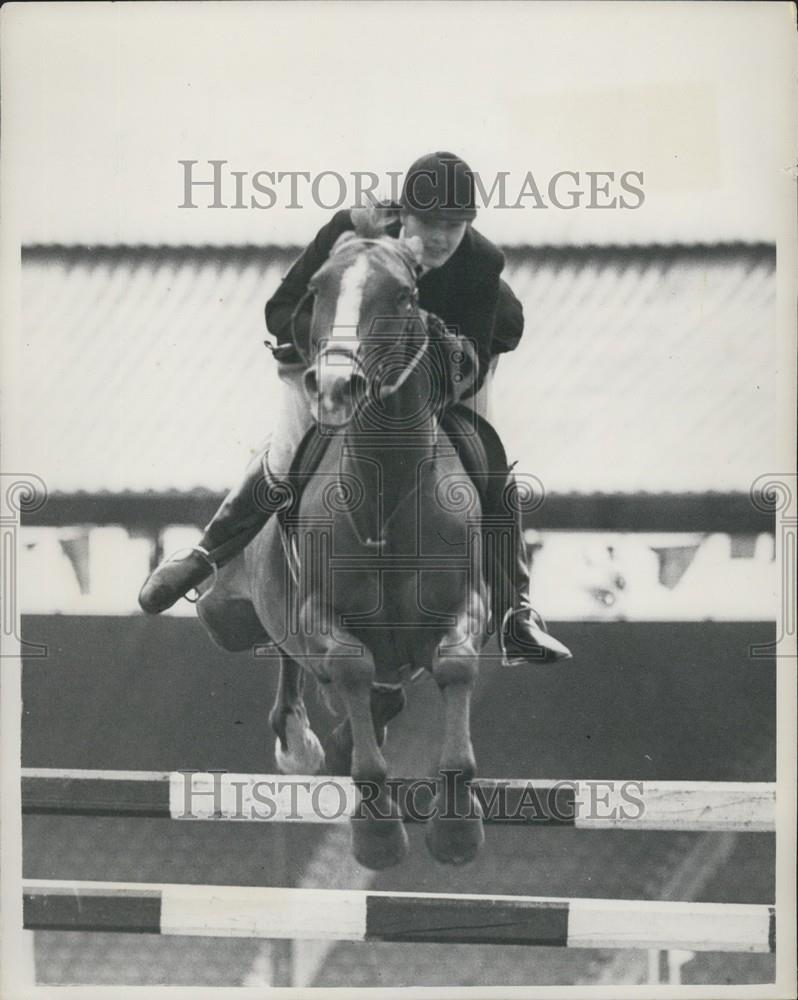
(460, 283)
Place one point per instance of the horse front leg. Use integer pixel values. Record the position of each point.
(454, 834)
(379, 839)
(297, 749)
(387, 701)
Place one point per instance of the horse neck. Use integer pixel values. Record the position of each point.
(397, 454)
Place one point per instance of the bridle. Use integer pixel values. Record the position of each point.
(415, 360)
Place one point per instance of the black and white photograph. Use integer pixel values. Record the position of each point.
(399, 502)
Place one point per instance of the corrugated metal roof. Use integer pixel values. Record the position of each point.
(641, 368)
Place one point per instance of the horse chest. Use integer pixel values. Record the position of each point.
(384, 552)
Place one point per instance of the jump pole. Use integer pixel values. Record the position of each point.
(341, 915)
(584, 804)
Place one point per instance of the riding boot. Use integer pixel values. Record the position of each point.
(524, 637)
(244, 511)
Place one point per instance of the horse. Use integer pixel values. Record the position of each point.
(376, 575)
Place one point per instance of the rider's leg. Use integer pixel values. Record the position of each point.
(523, 636)
(245, 509)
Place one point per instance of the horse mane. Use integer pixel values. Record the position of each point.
(371, 221)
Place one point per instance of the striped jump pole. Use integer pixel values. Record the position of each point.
(584, 804)
(341, 915)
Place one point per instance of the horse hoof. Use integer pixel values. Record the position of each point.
(303, 753)
(455, 840)
(378, 843)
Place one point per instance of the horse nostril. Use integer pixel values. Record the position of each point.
(311, 382)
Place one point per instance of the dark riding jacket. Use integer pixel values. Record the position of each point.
(466, 292)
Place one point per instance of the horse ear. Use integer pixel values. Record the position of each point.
(415, 246)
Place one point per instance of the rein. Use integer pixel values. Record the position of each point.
(408, 370)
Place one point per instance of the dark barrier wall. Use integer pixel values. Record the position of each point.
(673, 700)
(150, 513)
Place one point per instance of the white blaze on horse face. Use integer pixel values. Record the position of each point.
(350, 297)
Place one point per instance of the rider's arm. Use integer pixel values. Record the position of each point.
(496, 324)
(281, 306)
(479, 318)
(509, 323)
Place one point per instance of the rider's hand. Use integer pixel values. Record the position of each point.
(457, 358)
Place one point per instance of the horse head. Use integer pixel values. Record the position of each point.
(367, 334)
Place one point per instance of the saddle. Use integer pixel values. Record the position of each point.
(480, 450)
(475, 440)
